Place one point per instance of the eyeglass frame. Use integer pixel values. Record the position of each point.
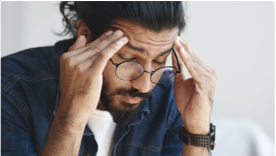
(152, 72)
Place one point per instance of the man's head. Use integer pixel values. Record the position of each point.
(151, 29)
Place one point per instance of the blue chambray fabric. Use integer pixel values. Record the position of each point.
(30, 95)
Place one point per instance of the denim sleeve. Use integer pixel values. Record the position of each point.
(15, 126)
(172, 146)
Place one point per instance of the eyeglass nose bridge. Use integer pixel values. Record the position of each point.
(148, 72)
(151, 73)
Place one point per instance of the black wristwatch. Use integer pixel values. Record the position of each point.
(198, 140)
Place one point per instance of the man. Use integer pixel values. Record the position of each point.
(58, 100)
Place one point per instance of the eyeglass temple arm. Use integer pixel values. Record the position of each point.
(113, 62)
(176, 61)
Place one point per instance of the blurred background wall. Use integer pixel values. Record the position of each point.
(234, 38)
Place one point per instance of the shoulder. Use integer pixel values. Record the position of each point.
(34, 62)
(30, 77)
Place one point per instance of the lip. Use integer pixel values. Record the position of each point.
(131, 100)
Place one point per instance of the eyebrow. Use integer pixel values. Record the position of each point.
(142, 50)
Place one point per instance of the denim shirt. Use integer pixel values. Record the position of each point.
(30, 96)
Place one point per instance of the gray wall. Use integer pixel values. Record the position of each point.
(234, 38)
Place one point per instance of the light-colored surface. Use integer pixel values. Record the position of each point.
(234, 38)
(242, 138)
(237, 40)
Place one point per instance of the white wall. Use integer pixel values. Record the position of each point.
(234, 38)
(237, 40)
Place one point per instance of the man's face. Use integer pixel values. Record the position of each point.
(123, 99)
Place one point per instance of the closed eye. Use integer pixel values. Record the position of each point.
(132, 59)
(160, 63)
(126, 59)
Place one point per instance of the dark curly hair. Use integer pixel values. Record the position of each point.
(97, 16)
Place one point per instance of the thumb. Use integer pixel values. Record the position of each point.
(80, 42)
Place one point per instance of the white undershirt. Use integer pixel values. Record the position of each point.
(102, 125)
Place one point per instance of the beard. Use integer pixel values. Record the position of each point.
(121, 111)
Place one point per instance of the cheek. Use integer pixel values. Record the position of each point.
(113, 81)
(109, 73)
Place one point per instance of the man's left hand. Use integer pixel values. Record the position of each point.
(194, 96)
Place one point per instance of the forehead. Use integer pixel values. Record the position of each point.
(145, 37)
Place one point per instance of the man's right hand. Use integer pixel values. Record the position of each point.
(81, 81)
(81, 76)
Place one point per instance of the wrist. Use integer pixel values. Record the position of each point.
(70, 121)
(197, 127)
(72, 118)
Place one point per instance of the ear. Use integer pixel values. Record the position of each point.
(84, 30)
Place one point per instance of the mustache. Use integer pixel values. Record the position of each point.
(132, 93)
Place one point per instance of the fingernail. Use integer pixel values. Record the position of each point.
(80, 36)
(118, 32)
(109, 33)
(121, 40)
(179, 38)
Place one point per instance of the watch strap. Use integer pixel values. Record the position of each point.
(200, 140)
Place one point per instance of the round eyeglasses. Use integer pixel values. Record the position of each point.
(130, 70)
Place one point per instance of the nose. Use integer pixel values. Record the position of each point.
(143, 83)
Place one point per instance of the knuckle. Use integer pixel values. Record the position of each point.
(194, 59)
(69, 62)
(115, 47)
(98, 48)
(79, 69)
(181, 48)
(190, 59)
(63, 57)
(213, 76)
(101, 38)
(109, 38)
(103, 55)
(209, 82)
(198, 71)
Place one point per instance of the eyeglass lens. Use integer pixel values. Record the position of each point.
(132, 70)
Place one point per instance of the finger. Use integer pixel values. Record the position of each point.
(107, 41)
(77, 50)
(198, 61)
(192, 54)
(79, 58)
(186, 46)
(101, 38)
(181, 64)
(80, 42)
(103, 56)
(84, 66)
(194, 69)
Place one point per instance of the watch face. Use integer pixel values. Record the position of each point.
(213, 138)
